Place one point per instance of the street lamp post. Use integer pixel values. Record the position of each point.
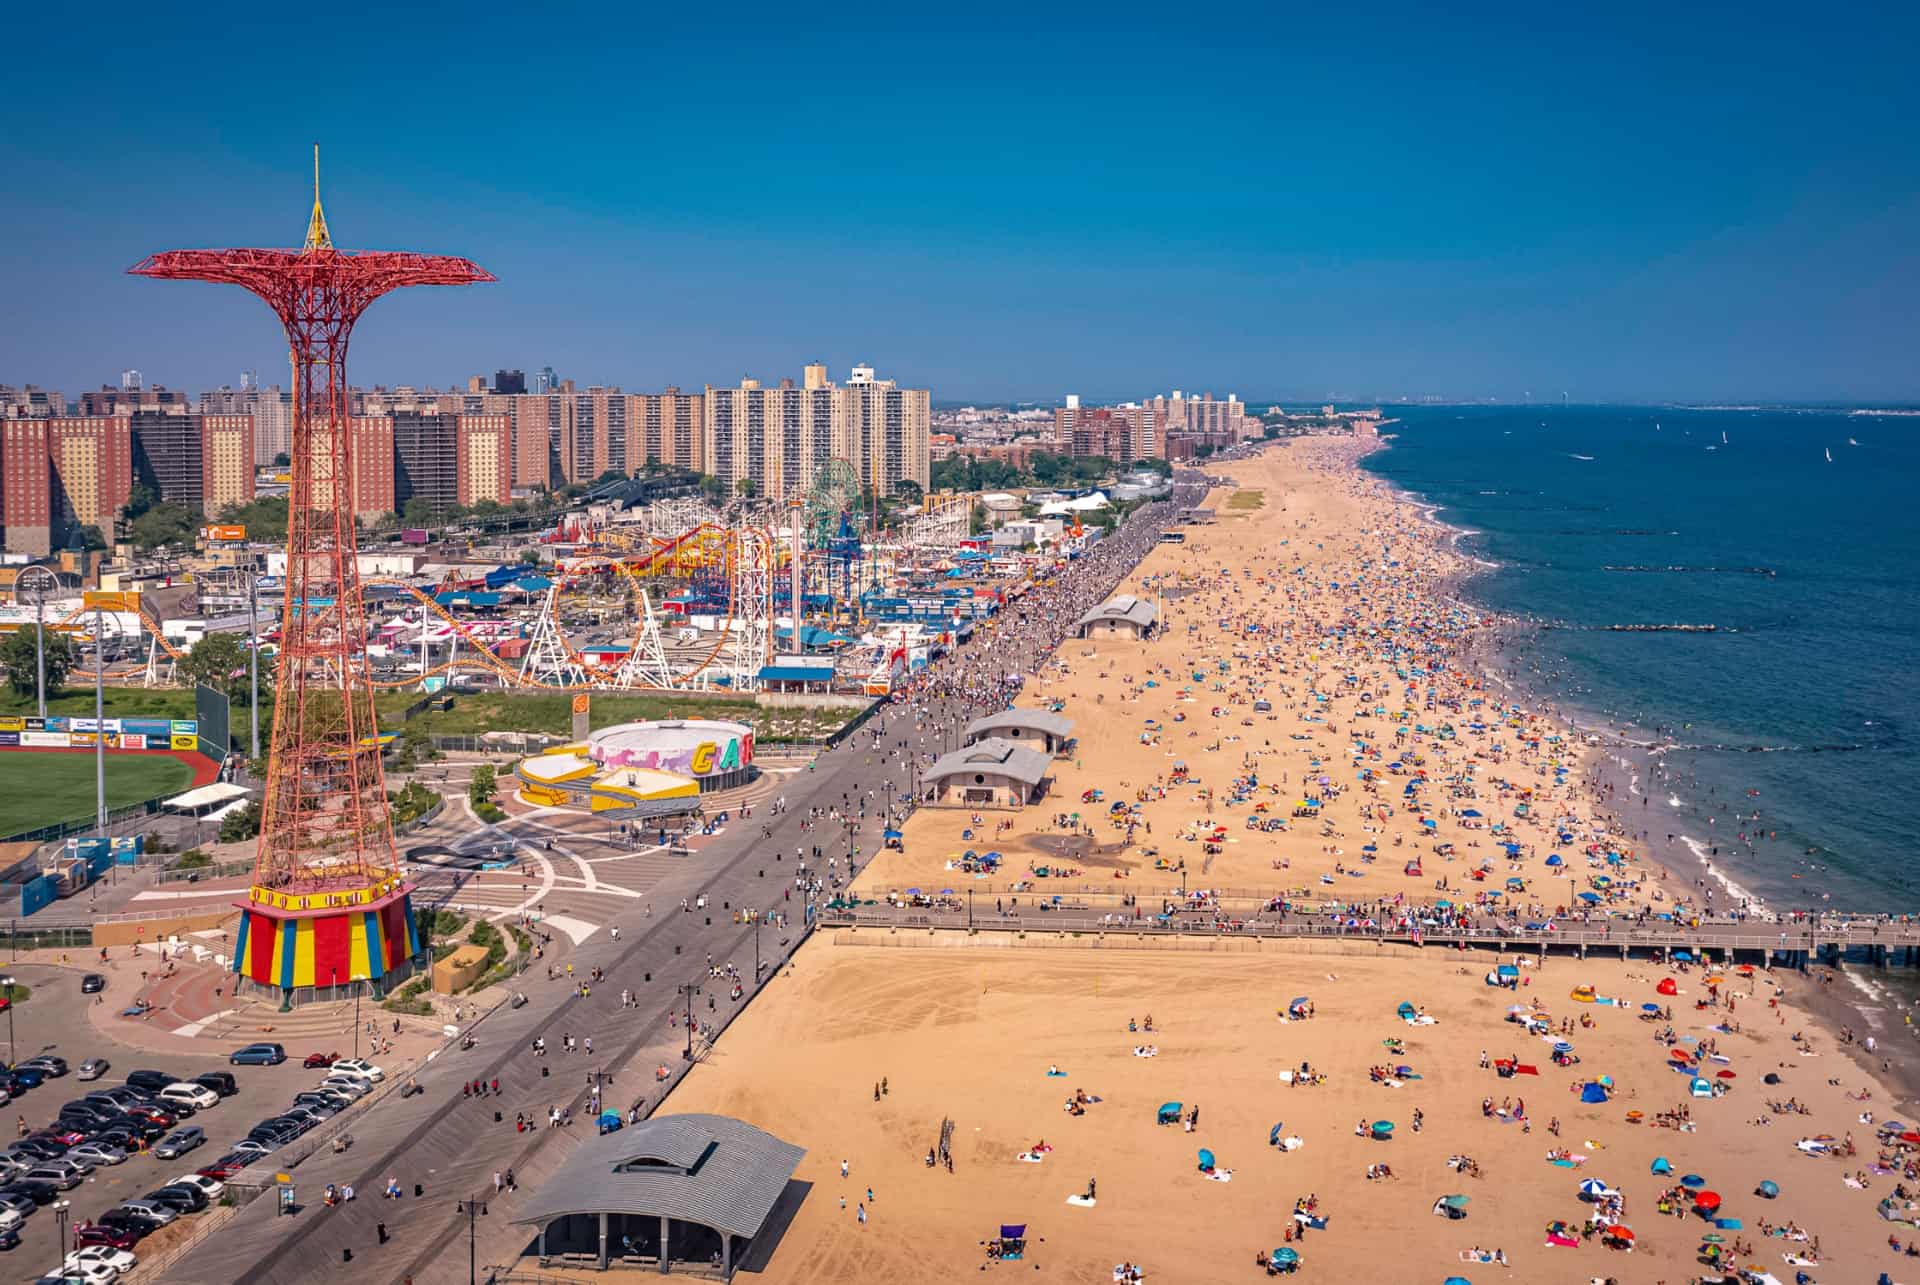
(688, 991)
(100, 715)
(253, 669)
(42, 583)
(7, 982)
(474, 1210)
(60, 1213)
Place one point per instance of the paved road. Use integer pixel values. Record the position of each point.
(451, 1146)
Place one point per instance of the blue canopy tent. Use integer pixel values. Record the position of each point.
(1406, 1012)
(1767, 1190)
(1593, 1091)
(1206, 1159)
(1661, 1165)
(1169, 1113)
(1284, 1259)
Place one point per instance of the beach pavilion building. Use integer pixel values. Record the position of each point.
(1123, 617)
(697, 1190)
(1036, 729)
(992, 773)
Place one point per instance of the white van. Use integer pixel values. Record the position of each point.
(197, 1096)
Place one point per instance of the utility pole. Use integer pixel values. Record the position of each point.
(253, 666)
(43, 583)
(100, 715)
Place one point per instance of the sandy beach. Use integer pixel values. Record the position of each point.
(1303, 737)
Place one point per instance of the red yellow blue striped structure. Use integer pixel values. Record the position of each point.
(288, 949)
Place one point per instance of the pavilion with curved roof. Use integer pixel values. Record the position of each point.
(693, 1189)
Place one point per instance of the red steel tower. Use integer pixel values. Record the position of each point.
(328, 906)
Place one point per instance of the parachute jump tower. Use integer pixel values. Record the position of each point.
(329, 906)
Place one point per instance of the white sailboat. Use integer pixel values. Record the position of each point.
(1829, 451)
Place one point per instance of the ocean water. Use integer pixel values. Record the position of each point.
(1802, 705)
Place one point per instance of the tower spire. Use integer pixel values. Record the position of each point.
(317, 238)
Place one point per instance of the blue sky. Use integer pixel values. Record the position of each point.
(1640, 202)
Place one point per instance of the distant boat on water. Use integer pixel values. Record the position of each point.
(1829, 451)
(1723, 437)
(1588, 458)
(1851, 442)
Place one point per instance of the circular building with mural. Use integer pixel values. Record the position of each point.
(647, 769)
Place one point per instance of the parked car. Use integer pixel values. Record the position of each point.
(98, 1153)
(150, 1081)
(212, 1186)
(182, 1200)
(93, 984)
(186, 1091)
(360, 1067)
(63, 1177)
(126, 1222)
(153, 1211)
(248, 1149)
(221, 1082)
(352, 1086)
(25, 1077)
(64, 1135)
(16, 1202)
(259, 1055)
(121, 1096)
(38, 1149)
(119, 1260)
(101, 1234)
(226, 1166)
(11, 1219)
(179, 1142)
(55, 1067)
(41, 1193)
(88, 1273)
(320, 1059)
(93, 1068)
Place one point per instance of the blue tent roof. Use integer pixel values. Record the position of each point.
(797, 673)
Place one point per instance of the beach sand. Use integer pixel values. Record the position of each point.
(1360, 650)
(1356, 653)
(969, 1033)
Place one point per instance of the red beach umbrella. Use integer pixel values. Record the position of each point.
(1726, 1075)
(1707, 1200)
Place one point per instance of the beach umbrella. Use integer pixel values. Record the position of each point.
(1285, 1256)
(1554, 860)
(1649, 1008)
(1724, 1075)
(890, 834)
(1693, 1180)
(1382, 1128)
(1455, 1202)
(1708, 1200)
(1456, 1280)
(1662, 1165)
(1713, 1238)
(1768, 1189)
(1910, 1137)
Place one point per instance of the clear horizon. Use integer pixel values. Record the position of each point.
(1637, 207)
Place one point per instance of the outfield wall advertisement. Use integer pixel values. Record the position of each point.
(63, 732)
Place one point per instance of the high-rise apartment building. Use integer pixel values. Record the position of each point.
(780, 438)
(92, 472)
(667, 429)
(1182, 414)
(1065, 420)
(485, 467)
(111, 401)
(533, 419)
(271, 409)
(509, 382)
(30, 402)
(26, 494)
(204, 462)
(420, 452)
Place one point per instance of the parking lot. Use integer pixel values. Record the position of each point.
(52, 1021)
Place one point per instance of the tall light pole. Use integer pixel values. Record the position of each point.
(253, 667)
(60, 1210)
(689, 990)
(7, 982)
(100, 714)
(43, 584)
(474, 1210)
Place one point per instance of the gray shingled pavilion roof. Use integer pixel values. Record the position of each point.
(996, 757)
(1059, 726)
(708, 1169)
(1125, 607)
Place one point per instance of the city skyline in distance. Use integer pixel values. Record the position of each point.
(1277, 204)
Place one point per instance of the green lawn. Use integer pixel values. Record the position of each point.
(47, 788)
(121, 702)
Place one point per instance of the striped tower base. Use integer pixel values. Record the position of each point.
(293, 944)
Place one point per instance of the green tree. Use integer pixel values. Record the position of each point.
(17, 654)
(87, 537)
(282, 460)
(163, 524)
(745, 487)
(139, 499)
(481, 785)
(264, 518)
(220, 662)
(531, 557)
(418, 511)
(611, 475)
(909, 490)
(238, 827)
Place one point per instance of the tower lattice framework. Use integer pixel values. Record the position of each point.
(326, 854)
